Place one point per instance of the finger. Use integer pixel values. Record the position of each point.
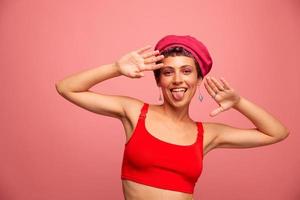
(141, 50)
(153, 59)
(212, 85)
(139, 75)
(153, 66)
(216, 111)
(158, 66)
(149, 54)
(209, 89)
(219, 86)
(226, 85)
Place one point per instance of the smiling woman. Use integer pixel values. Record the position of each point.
(164, 146)
(179, 78)
(176, 51)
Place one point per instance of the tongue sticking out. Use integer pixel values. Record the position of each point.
(178, 95)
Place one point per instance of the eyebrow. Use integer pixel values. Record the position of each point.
(180, 67)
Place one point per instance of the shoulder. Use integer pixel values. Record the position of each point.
(213, 128)
(132, 105)
(210, 129)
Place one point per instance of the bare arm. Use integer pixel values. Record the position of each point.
(82, 81)
(268, 129)
(75, 88)
(264, 121)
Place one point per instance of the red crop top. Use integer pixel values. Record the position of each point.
(151, 161)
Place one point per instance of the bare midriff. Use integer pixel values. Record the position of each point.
(136, 191)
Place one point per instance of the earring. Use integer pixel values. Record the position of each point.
(159, 95)
(200, 97)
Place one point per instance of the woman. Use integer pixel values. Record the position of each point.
(164, 147)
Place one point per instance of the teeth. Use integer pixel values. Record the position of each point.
(178, 89)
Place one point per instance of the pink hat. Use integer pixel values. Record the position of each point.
(194, 46)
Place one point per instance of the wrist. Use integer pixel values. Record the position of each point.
(117, 67)
(238, 102)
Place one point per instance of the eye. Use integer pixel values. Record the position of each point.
(187, 71)
(167, 72)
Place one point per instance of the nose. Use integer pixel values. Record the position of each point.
(177, 79)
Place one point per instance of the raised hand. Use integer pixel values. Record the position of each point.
(223, 94)
(134, 63)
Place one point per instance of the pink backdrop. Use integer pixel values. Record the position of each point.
(51, 149)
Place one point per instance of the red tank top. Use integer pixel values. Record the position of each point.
(151, 161)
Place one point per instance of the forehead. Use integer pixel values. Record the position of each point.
(178, 61)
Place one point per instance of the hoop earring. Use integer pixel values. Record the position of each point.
(200, 97)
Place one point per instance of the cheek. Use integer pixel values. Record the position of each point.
(164, 82)
(192, 81)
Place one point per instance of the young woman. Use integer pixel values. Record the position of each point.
(164, 147)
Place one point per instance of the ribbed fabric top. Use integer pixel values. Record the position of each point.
(151, 161)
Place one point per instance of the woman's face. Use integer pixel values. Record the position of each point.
(178, 72)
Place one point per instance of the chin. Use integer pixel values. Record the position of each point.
(183, 102)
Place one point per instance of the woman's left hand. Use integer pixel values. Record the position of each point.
(223, 94)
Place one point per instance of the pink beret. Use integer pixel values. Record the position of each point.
(191, 44)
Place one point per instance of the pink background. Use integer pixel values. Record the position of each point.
(51, 149)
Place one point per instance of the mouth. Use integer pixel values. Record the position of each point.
(178, 93)
(178, 89)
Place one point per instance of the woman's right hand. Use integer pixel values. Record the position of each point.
(134, 63)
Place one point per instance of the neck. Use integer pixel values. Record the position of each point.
(176, 114)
